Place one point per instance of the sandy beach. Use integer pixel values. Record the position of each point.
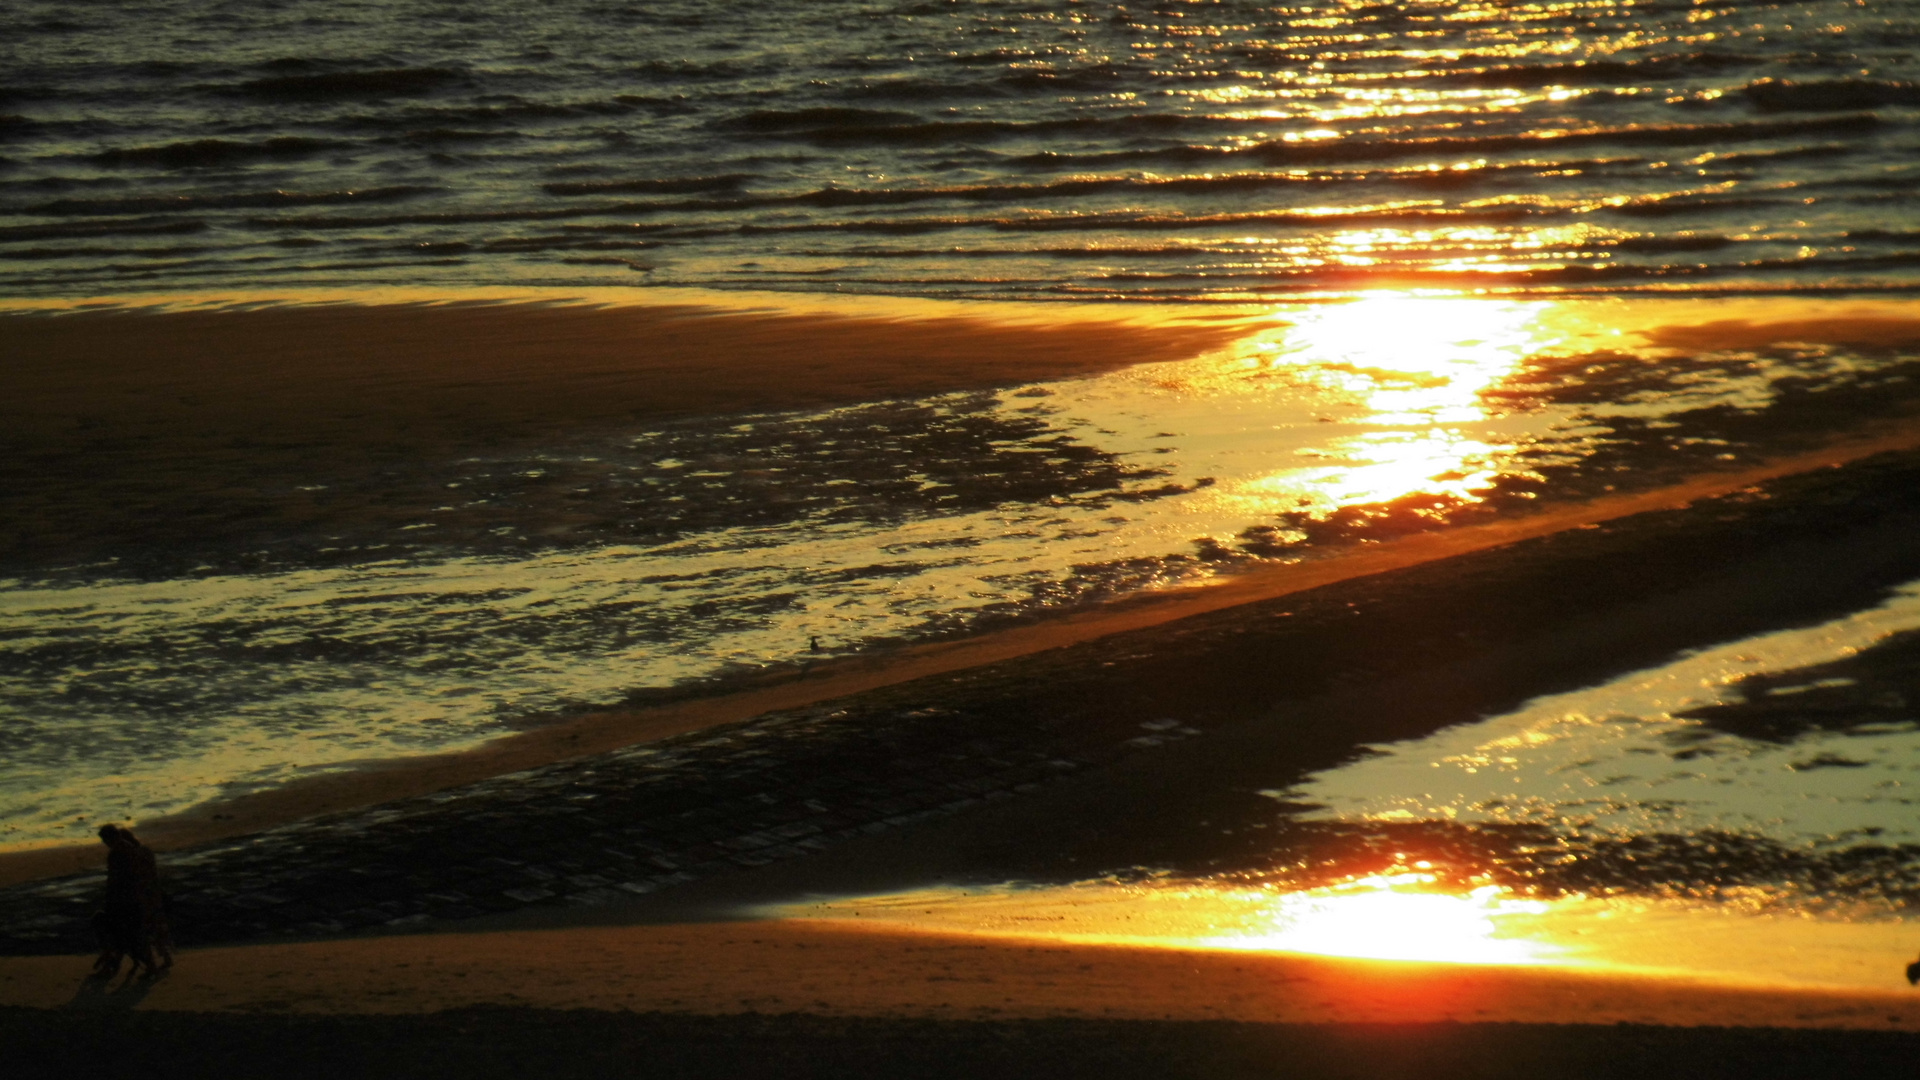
(183, 400)
(745, 998)
(1464, 621)
(189, 420)
(845, 539)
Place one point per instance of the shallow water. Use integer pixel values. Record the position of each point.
(140, 686)
(1834, 759)
(1074, 149)
(1776, 773)
(1742, 814)
(1401, 916)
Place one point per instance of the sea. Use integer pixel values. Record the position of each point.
(1463, 216)
(1145, 151)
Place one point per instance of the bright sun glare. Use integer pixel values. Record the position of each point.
(1415, 359)
(1415, 368)
(1395, 917)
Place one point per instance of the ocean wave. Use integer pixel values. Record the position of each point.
(1084, 186)
(673, 71)
(1831, 95)
(494, 114)
(911, 88)
(447, 217)
(813, 120)
(206, 153)
(149, 204)
(1586, 72)
(49, 254)
(1666, 244)
(1413, 275)
(1835, 262)
(11, 93)
(1091, 77)
(565, 242)
(439, 136)
(667, 186)
(1131, 221)
(1669, 205)
(124, 227)
(1882, 234)
(1281, 152)
(838, 126)
(334, 85)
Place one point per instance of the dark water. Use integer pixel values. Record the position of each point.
(993, 149)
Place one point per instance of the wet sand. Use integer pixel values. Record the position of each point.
(127, 428)
(814, 998)
(526, 982)
(178, 400)
(1033, 768)
(597, 732)
(840, 968)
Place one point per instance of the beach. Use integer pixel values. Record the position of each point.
(250, 463)
(846, 538)
(204, 416)
(768, 999)
(1131, 741)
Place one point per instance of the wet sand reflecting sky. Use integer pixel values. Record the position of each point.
(480, 601)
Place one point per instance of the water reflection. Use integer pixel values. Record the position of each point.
(1676, 749)
(1406, 915)
(1397, 388)
(450, 602)
(1395, 917)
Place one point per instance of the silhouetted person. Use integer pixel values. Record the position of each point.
(813, 644)
(123, 924)
(153, 900)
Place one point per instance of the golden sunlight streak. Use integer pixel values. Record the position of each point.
(1750, 937)
(1417, 354)
(1414, 368)
(1380, 467)
(1396, 917)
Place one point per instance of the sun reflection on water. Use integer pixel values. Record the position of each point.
(1395, 916)
(1405, 914)
(1418, 357)
(1409, 373)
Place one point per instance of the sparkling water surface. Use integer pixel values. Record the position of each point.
(981, 148)
(1453, 164)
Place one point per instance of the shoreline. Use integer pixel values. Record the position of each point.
(390, 779)
(873, 344)
(561, 969)
(134, 432)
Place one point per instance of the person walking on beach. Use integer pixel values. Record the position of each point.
(133, 916)
(153, 900)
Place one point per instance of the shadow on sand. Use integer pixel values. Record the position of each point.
(101, 993)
